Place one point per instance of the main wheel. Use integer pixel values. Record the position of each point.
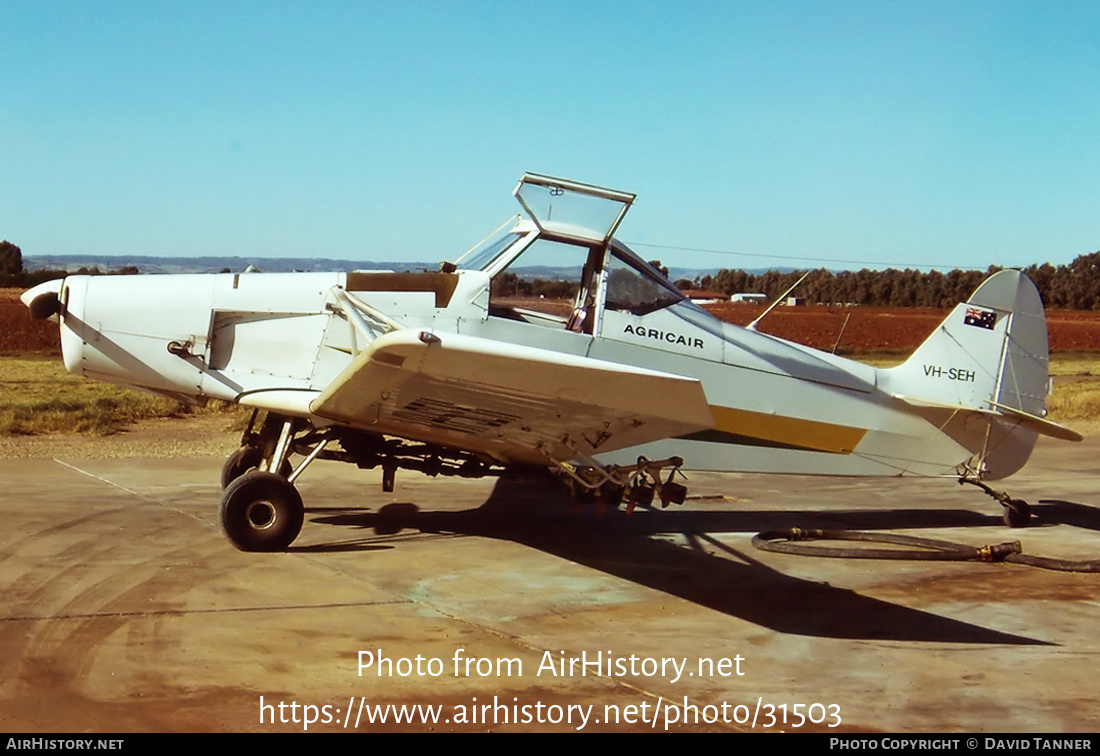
(261, 511)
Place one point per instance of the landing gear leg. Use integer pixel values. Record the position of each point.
(261, 510)
(1017, 513)
(258, 449)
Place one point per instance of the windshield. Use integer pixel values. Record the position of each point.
(633, 286)
(482, 255)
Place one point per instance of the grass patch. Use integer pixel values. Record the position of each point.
(1075, 400)
(1076, 395)
(37, 396)
(1075, 363)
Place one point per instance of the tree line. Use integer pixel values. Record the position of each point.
(13, 276)
(1075, 286)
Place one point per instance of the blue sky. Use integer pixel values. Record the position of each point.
(843, 134)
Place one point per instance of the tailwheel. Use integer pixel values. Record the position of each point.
(261, 511)
(1017, 513)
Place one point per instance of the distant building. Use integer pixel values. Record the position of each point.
(700, 296)
(749, 298)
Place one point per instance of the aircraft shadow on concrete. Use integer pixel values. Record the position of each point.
(705, 570)
(1059, 512)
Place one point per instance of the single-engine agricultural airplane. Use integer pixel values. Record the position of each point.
(440, 372)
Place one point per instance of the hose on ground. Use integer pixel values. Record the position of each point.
(793, 541)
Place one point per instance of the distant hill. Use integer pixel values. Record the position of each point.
(151, 264)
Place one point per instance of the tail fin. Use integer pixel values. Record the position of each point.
(990, 355)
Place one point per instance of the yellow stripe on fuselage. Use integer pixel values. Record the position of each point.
(811, 435)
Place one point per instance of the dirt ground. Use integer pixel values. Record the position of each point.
(161, 438)
(126, 610)
(858, 329)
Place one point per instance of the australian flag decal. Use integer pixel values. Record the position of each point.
(979, 318)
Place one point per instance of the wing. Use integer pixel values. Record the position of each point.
(516, 403)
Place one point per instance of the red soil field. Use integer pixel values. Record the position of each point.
(19, 332)
(871, 329)
(868, 329)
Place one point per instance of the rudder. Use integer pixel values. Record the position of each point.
(989, 353)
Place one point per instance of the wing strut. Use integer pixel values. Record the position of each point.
(354, 308)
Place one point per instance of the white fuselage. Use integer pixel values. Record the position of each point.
(277, 340)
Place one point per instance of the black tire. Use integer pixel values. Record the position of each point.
(1017, 513)
(238, 463)
(244, 459)
(261, 511)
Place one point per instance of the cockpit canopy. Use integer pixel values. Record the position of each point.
(566, 232)
(570, 210)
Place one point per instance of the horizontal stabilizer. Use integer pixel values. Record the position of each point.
(1035, 423)
(1041, 425)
